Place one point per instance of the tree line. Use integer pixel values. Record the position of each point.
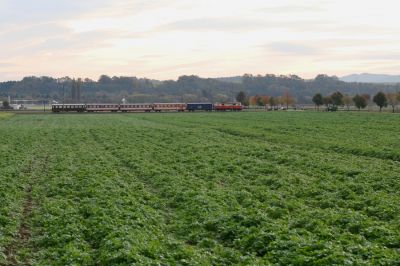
(263, 100)
(185, 88)
(360, 101)
(332, 101)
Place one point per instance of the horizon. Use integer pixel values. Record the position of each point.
(163, 40)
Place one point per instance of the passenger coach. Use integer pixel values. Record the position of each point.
(102, 107)
(162, 107)
(56, 108)
(191, 107)
(140, 107)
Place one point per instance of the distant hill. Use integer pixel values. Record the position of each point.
(371, 78)
(236, 79)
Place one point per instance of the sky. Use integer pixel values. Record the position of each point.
(164, 39)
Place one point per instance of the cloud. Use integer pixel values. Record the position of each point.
(129, 8)
(238, 24)
(291, 9)
(289, 48)
(73, 42)
(26, 11)
(215, 24)
(6, 65)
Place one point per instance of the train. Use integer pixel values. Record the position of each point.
(147, 107)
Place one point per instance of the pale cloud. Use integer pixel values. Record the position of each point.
(168, 38)
(215, 24)
(292, 49)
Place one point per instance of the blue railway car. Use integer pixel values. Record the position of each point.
(191, 107)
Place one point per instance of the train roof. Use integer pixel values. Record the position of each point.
(68, 104)
(135, 103)
(169, 103)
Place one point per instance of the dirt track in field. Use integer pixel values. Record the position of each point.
(21, 241)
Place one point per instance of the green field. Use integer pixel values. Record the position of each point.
(5, 115)
(200, 189)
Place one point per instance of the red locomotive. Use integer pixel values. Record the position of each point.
(236, 106)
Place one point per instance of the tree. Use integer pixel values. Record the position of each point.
(104, 79)
(337, 98)
(287, 99)
(253, 100)
(360, 102)
(73, 90)
(259, 101)
(222, 98)
(264, 100)
(393, 100)
(380, 100)
(241, 97)
(318, 100)
(366, 96)
(347, 101)
(272, 102)
(327, 100)
(6, 105)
